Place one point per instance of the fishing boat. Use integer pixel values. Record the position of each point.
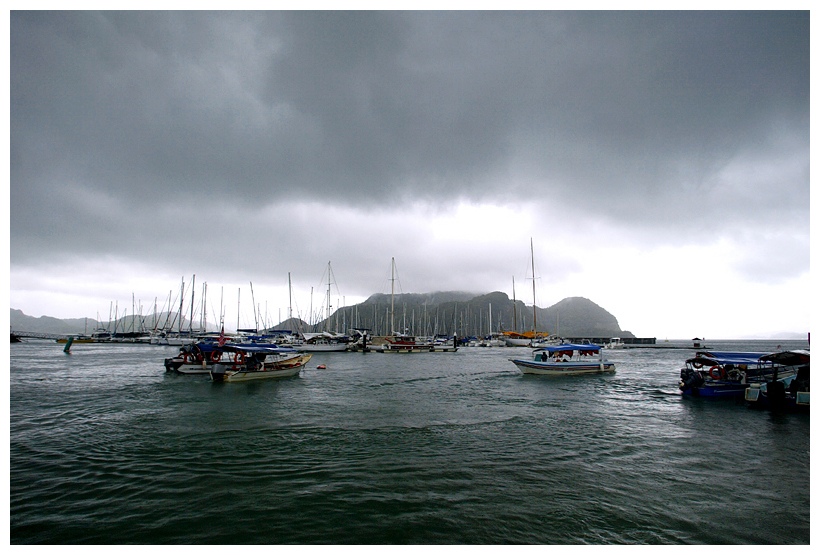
(256, 363)
(566, 360)
(789, 392)
(727, 374)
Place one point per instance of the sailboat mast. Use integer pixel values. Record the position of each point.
(534, 324)
(290, 299)
(253, 304)
(515, 311)
(392, 282)
(327, 303)
(181, 301)
(191, 321)
(490, 325)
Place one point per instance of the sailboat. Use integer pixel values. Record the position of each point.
(562, 359)
(324, 341)
(525, 338)
(404, 342)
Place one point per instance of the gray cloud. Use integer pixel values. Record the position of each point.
(134, 132)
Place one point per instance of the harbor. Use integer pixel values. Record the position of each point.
(370, 449)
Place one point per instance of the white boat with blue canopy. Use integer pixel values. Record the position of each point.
(568, 359)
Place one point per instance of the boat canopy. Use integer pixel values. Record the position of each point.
(727, 357)
(788, 358)
(259, 349)
(568, 347)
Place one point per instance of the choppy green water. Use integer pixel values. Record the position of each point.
(433, 448)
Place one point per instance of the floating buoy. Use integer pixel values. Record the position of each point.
(321, 367)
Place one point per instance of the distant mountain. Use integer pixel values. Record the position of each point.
(441, 312)
(468, 314)
(46, 324)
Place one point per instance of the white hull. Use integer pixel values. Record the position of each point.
(270, 370)
(404, 348)
(201, 368)
(243, 376)
(322, 348)
(511, 342)
(564, 368)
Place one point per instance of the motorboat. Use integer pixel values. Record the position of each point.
(200, 358)
(790, 392)
(615, 343)
(566, 360)
(324, 342)
(255, 363)
(403, 343)
(727, 374)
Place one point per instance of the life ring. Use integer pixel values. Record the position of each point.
(716, 373)
(216, 356)
(186, 358)
(239, 357)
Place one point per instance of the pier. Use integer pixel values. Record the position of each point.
(604, 340)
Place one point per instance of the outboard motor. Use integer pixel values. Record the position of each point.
(218, 373)
(690, 379)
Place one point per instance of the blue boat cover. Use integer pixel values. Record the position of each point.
(729, 357)
(569, 347)
(269, 349)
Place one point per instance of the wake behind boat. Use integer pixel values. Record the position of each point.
(566, 360)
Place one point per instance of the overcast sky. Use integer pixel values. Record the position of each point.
(659, 161)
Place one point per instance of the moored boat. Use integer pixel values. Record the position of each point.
(789, 392)
(727, 374)
(323, 342)
(403, 343)
(566, 360)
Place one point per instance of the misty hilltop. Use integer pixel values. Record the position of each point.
(441, 312)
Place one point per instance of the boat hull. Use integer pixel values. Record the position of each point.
(514, 342)
(717, 390)
(280, 369)
(569, 368)
(322, 348)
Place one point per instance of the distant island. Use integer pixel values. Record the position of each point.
(447, 312)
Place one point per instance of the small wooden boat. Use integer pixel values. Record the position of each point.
(254, 363)
(566, 360)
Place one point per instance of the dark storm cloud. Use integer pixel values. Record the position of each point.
(116, 116)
